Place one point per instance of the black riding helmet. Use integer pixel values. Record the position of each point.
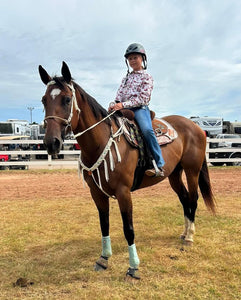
(136, 48)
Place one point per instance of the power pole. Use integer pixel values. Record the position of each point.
(30, 109)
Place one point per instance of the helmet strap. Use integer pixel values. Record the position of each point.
(144, 62)
(128, 70)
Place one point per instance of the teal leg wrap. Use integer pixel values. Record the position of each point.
(133, 257)
(106, 246)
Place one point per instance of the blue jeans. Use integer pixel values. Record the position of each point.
(143, 119)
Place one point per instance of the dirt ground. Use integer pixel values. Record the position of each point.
(30, 184)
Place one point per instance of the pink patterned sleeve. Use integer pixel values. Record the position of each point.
(146, 89)
(120, 95)
(136, 92)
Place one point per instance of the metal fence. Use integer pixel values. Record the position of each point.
(219, 155)
(26, 152)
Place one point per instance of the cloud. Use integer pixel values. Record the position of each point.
(193, 51)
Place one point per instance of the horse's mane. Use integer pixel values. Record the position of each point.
(98, 110)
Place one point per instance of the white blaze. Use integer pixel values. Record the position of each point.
(54, 93)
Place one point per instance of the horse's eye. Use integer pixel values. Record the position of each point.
(66, 100)
(44, 100)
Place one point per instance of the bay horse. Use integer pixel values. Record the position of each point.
(108, 161)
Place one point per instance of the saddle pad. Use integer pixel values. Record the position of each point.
(164, 132)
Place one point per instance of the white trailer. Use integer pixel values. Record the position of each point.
(15, 127)
(211, 125)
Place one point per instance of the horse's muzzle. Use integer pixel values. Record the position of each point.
(53, 145)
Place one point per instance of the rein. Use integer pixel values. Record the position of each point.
(93, 126)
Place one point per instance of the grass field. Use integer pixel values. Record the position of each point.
(54, 242)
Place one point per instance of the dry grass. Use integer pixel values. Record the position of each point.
(55, 241)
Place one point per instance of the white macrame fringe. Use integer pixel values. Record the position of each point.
(107, 149)
(106, 171)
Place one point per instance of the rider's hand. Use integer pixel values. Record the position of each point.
(115, 106)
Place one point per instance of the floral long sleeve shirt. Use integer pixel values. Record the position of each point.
(135, 89)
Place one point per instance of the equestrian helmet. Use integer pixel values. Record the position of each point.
(135, 48)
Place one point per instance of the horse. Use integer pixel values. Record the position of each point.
(108, 162)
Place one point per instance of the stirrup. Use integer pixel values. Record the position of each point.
(155, 173)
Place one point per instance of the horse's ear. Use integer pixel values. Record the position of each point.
(44, 75)
(66, 72)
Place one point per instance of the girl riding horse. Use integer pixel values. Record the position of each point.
(104, 150)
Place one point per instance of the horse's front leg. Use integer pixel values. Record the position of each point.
(125, 204)
(103, 209)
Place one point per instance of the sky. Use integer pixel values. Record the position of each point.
(193, 50)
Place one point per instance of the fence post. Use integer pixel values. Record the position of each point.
(50, 161)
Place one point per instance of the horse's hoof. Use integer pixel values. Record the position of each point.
(131, 280)
(98, 268)
(101, 264)
(188, 243)
(132, 276)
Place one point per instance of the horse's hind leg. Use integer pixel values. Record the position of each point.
(188, 200)
(192, 182)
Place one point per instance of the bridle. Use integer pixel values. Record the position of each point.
(106, 150)
(74, 103)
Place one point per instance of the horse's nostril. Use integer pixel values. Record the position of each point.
(52, 145)
(57, 143)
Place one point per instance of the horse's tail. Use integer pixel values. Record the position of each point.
(205, 187)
